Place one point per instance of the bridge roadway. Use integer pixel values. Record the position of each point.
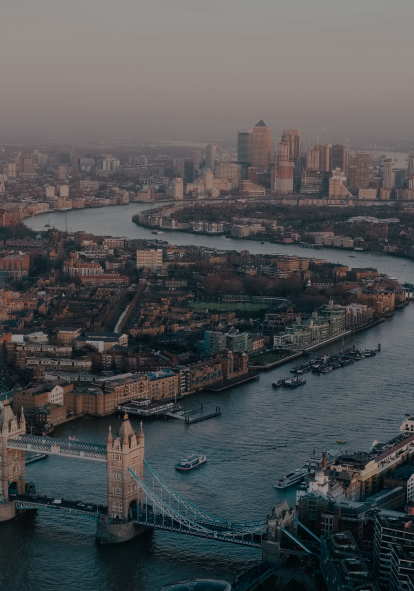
(68, 449)
(167, 523)
(33, 501)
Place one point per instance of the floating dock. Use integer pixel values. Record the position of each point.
(194, 415)
(148, 408)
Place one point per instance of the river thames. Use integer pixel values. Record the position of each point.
(261, 434)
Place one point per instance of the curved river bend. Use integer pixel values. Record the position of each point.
(261, 434)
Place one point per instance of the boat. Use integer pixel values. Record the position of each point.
(291, 478)
(341, 441)
(35, 458)
(120, 209)
(48, 224)
(262, 242)
(295, 382)
(281, 382)
(193, 461)
(156, 232)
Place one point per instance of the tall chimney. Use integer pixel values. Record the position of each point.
(324, 460)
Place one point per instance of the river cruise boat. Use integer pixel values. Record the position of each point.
(291, 478)
(193, 461)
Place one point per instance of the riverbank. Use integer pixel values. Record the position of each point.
(318, 345)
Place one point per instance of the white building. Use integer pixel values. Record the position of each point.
(151, 259)
(177, 188)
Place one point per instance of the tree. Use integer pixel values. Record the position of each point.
(77, 281)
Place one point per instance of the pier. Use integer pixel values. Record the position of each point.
(147, 408)
(195, 415)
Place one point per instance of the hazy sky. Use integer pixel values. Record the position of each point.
(206, 67)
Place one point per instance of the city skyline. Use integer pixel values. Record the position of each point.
(205, 70)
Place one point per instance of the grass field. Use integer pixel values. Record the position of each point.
(224, 307)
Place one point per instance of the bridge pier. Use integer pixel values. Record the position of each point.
(271, 552)
(7, 511)
(117, 533)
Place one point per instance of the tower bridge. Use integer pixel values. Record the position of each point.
(133, 504)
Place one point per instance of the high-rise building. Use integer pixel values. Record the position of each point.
(338, 157)
(49, 191)
(283, 170)
(312, 160)
(40, 159)
(325, 157)
(208, 178)
(28, 165)
(61, 172)
(55, 245)
(109, 164)
(210, 156)
(177, 190)
(149, 258)
(188, 171)
(228, 171)
(337, 188)
(245, 148)
(262, 145)
(362, 170)
(292, 137)
(196, 157)
(387, 178)
(411, 164)
(64, 158)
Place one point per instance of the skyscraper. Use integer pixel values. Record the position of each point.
(245, 149)
(387, 179)
(188, 171)
(62, 172)
(338, 157)
(362, 170)
(210, 156)
(283, 170)
(325, 157)
(292, 136)
(313, 160)
(411, 164)
(177, 190)
(262, 143)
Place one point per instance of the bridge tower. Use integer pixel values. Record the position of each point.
(124, 451)
(281, 516)
(12, 467)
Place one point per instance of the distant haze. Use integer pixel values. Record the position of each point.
(204, 68)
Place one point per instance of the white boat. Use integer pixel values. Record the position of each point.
(291, 478)
(191, 462)
(315, 460)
